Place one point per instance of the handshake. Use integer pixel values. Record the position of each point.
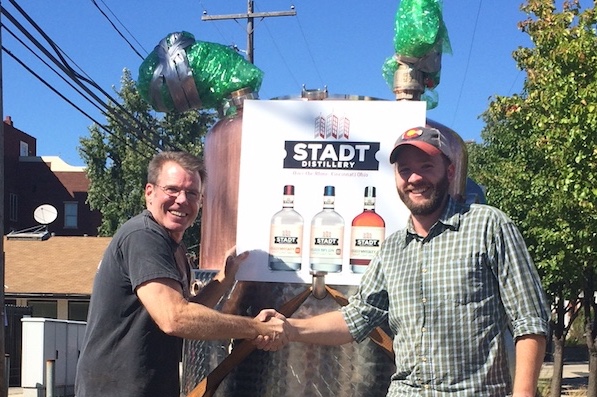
(274, 330)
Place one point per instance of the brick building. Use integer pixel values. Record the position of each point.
(49, 266)
(30, 181)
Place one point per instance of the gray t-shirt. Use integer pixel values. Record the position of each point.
(124, 352)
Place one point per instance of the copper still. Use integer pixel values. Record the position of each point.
(220, 201)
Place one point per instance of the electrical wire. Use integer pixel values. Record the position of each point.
(116, 112)
(309, 50)
(468, 61)
(224, 38)
(514, 82)
(116, 29)
(281, 55)
(9, 31)
(125, 28)
(71, 73)
(100, 125)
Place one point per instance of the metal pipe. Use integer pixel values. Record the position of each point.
(318, 283)
(50, 381)
(7, 371)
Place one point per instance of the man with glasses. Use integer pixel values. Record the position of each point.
(141, 306)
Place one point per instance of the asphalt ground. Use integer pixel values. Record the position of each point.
(575, 376)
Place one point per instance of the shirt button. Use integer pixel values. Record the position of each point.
(426, 387)
(424, 270)
(423, 329)
(423, 358)
(424, 300)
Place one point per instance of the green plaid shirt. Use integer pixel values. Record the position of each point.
(448, 299)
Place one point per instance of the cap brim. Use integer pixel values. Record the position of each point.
(424, 146)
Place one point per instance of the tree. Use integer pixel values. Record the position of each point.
(116, 156)
(538, 160)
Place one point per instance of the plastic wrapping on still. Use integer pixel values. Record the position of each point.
(420, 39)
(420, 28)
(182, 73)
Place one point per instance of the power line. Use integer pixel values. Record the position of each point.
(74, 76)
(9, 53)
(117, 112)
(250, 17)
(281, 56)
(116, 29)
(468, 61)
(224, 38)
(309, 51)
(7, 29)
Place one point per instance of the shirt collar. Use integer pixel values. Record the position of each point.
(449, 219)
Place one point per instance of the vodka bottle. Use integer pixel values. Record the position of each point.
(286, 235)
(327, 236)
(367, 233)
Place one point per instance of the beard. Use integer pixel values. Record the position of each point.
(439, 192)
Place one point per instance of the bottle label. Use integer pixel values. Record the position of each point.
(365, 242)
(326, 244)
(286, 241)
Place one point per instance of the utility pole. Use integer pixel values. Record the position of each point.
(4, 375)
(249, 16)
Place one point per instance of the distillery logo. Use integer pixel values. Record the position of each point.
(331, 148)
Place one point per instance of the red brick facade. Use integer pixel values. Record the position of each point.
(31, 181)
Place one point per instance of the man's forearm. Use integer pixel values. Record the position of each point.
(325, 329)
(530, 352)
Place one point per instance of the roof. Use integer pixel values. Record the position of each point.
(59, 265)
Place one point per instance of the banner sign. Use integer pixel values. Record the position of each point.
(317, 191)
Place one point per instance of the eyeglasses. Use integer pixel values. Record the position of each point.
(173, 191)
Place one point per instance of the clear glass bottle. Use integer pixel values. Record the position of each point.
(327, 236)
(367, 233)
(286, 235)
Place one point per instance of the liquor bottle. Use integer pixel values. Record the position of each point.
(286, 235)
(327, 236)
(367, 233)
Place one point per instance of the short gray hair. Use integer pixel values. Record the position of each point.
(188, 161)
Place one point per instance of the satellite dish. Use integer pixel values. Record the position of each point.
(45, 214)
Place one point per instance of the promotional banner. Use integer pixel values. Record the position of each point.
(317, 191)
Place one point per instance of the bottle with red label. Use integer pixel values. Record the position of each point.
(367, 233)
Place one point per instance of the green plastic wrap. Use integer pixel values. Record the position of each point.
(182, 73)
(420, 28)
(420, 38)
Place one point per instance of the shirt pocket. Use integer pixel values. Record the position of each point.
(467, 280)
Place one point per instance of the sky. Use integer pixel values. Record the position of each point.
(341, 45)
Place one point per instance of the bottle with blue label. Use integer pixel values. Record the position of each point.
(327, 236)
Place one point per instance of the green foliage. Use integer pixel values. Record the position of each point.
(538, 158)
(116, 155)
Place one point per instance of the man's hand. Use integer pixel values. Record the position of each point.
(227, 274)
(280, 330)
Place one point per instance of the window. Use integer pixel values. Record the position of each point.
(13, 207)
(70, 215)
(23, 149)
(77, 310)
(45, 309)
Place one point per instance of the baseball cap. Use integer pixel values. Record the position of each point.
(430, 140)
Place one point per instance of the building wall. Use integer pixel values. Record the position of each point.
(31, 181)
